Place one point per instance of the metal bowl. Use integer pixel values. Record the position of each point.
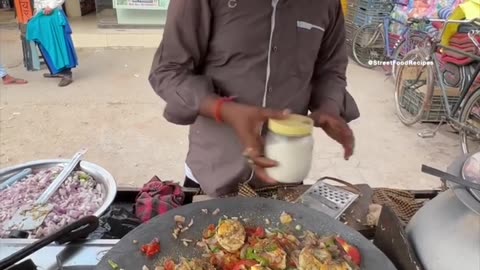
(474, 176)
(102, 176)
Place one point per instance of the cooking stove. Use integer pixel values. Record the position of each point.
(80, 255)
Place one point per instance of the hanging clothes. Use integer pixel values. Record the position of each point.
(53, 35)
(40, 5)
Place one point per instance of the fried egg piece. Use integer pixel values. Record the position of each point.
(319, 259)
(259, 267)
(277, 257)
(231, 235)
(194, 265)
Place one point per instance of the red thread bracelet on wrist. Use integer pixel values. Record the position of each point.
(218, 107)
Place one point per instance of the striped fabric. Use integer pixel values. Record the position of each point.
(445, 13)
(158, 197)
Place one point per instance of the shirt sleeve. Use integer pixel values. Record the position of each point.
(329, 80)
(175, 70)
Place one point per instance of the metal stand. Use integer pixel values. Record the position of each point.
(428, 133)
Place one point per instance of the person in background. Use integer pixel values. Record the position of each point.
(270, 55)
(47, 7)
(7, 79)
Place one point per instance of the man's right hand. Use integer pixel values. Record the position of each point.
(247, 122)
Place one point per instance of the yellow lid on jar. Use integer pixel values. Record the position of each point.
(294, 126)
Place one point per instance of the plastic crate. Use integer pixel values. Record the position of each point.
(361, 18)
(371, 2)
(412, 100)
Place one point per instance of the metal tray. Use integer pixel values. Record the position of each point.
(102, 176)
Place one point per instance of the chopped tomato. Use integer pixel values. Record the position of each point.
(151, 249)
(258, 232)
(209, 231)
(169, 265)
(351, 250)
(243, 264)
(229, 261)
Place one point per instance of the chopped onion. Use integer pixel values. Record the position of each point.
(72, 201)
(179, 219)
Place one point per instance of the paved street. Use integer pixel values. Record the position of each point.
(111, 110)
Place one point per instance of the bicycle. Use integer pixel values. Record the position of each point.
(415, 89)
(371, 43)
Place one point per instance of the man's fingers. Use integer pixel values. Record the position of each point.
(262, 175)
(275, 114)
(264, 162)
(256, 158)
(339, 130)
(348, 151)
(348, 143)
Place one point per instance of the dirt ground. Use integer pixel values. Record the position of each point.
(111, 110)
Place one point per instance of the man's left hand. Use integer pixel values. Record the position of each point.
(47, 11)
(337, 128)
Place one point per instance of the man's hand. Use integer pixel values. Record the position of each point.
(337, 128)
(247, 121)
(47, 11)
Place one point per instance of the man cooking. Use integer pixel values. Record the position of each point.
(225, 67)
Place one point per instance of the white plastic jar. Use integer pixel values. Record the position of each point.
(290, 143)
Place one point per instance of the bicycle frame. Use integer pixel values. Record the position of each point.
(386, 25)
(443, 87)
(436, 46)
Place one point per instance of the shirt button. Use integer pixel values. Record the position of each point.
(274, 48)
(269, 90)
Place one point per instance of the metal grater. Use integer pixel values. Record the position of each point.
(328, 199)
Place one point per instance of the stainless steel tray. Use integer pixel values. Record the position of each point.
(101, 175)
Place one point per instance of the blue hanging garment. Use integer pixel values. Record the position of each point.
(53, 35)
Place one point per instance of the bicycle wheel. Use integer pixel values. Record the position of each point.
(414, 87)
(470, 118)
(368, 45)
(414, 40)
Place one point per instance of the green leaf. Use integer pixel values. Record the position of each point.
(113, 265)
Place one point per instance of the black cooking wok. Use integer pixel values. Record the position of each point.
(128, 256)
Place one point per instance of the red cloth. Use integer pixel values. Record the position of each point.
(438, 25)
(461, 38)
(158, 197)
(456, 61)
(461, 42)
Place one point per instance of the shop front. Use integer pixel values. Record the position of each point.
(131, 13)
(112, 14)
